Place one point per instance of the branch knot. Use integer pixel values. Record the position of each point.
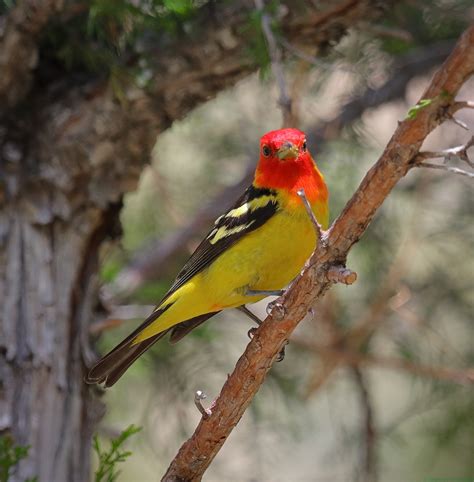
(341, 274)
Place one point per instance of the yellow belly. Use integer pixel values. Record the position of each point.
(265, 259)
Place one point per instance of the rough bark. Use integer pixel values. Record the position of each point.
(196, 454)
(68, 153)
(19, 50)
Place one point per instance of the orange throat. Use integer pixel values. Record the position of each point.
(291, 176)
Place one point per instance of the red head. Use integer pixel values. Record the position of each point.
(285, 163)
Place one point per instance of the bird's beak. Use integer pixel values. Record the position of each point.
(287, 151)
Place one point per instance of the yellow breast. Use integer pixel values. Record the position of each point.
(266, 259)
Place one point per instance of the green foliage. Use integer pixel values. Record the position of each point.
(6, 5)
(109, 458)
(10, 456)
(257, 47)
(423, 103)
(105, 37)
(426, 22)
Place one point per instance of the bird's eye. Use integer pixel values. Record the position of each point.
(304, 147)
(266, 151)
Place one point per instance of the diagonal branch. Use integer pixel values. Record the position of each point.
(197, 453)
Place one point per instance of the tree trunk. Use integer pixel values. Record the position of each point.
(48, 292)
(60, 197)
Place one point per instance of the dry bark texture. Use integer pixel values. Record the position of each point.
(399, 156)
(68, 153)
(19, 47)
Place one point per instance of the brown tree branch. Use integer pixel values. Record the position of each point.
(197, 453)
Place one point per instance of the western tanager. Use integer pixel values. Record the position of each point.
(254, 249)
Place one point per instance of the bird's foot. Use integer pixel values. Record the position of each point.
(281, 354)
(251, 315)
(276, 310)
(251, 332)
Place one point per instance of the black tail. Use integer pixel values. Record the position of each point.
(182, 329)
(113, 365)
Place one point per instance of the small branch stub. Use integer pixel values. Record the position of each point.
(198, 396)
(341, 274)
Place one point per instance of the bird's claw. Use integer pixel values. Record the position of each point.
(251, 332)
(281, 355)
(276, 310)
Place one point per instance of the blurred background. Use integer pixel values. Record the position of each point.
(376, 385)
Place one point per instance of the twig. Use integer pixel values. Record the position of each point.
(119, 314)
(458, 153)
(336, 274)
(454, 170)
(390, 32)
(317, 227)
(337, 355)
(453, 153)
(464, 104)
(275, 57)
(341, 274)
(198, 397)
(198, 452)
(460, 123)
(369, 456)
(312, 59)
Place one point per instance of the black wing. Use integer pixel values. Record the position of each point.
(251, 211)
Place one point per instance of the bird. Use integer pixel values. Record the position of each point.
(253, 250)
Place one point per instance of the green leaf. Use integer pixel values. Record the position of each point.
(413, 112)
(10, 456)
(109, 458)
